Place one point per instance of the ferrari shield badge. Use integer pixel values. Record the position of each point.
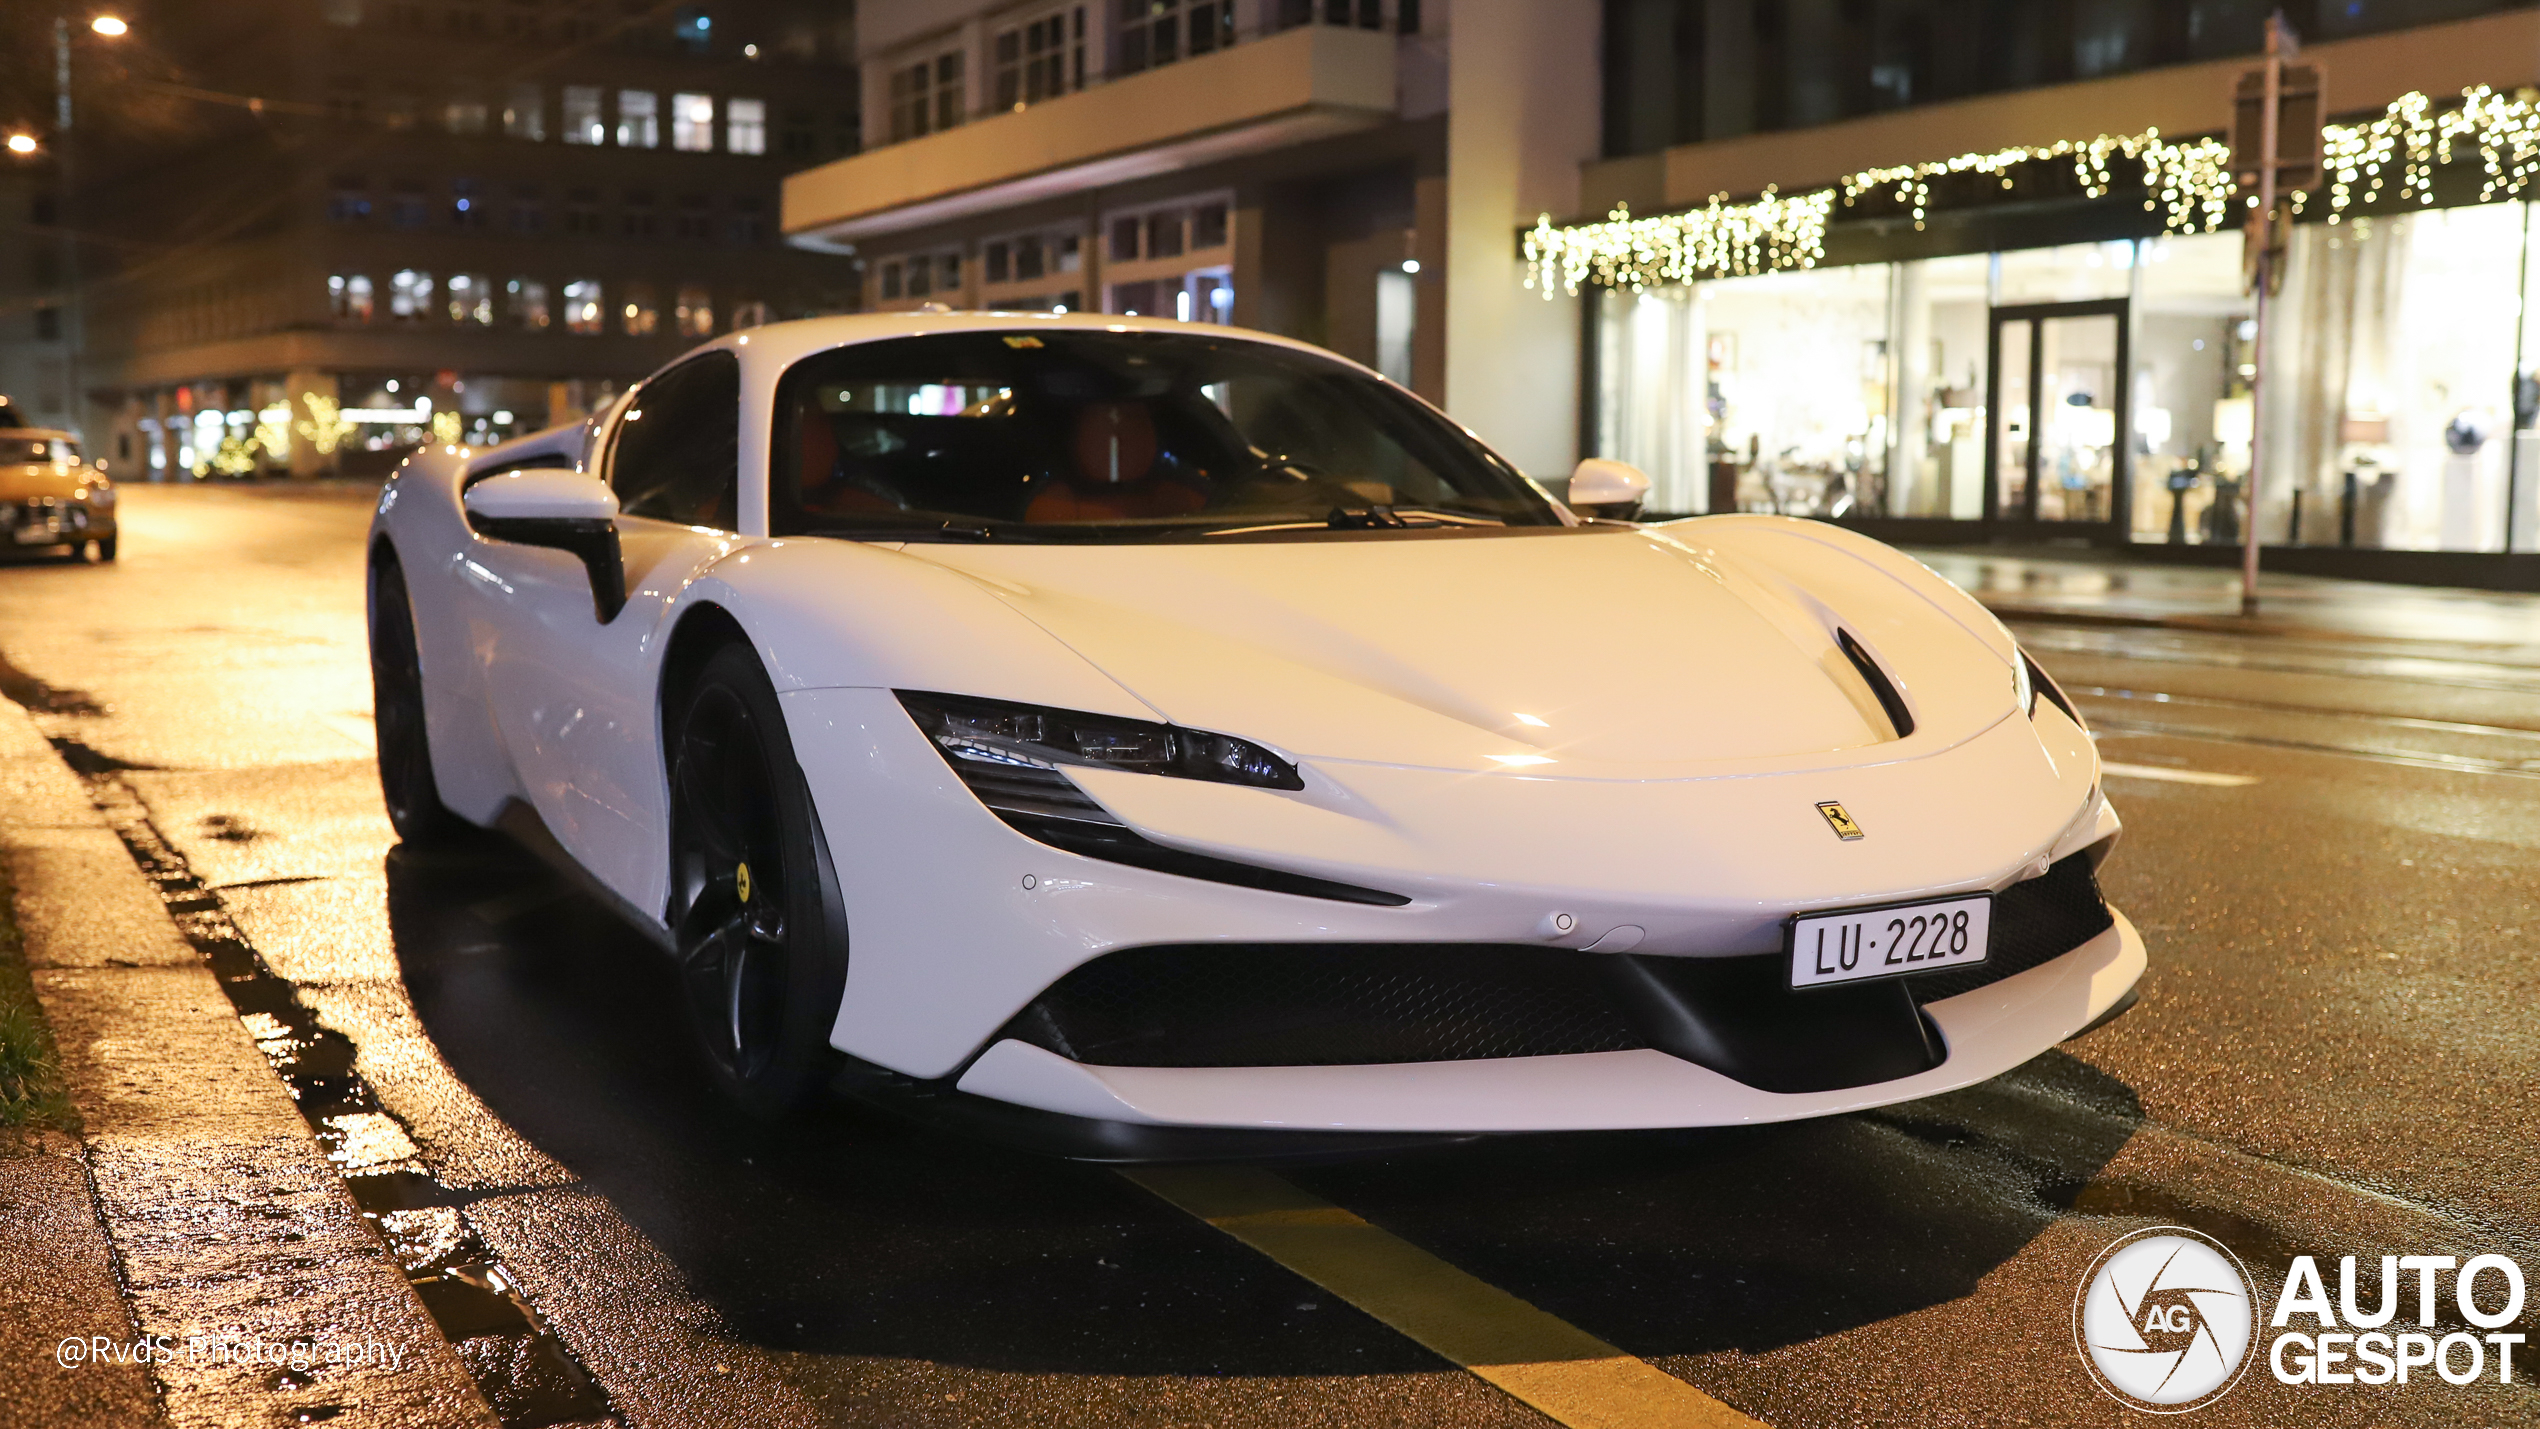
(741, 875)
(1844, 828)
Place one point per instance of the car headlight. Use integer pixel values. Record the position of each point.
(2035, 684)
(992, 732)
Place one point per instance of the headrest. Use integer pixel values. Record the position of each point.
(1115, 443)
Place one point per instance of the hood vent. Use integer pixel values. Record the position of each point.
(1883, 688)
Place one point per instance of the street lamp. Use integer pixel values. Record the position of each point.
(21, 143)
(75, 330)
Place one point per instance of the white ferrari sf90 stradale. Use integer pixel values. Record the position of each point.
(1138, 739)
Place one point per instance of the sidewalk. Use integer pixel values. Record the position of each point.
(2102, 588)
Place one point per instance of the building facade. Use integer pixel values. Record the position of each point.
(1975, 272)
(374, 223)
(1350, 172)
(1270, 163)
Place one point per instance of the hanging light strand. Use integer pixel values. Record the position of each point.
(2188, 183)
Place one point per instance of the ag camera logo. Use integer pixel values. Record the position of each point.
(2164, 1320)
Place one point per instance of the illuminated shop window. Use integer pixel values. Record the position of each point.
(584, 309)
(692, 122)
(638, 119)
(582, 121)
(745, 126)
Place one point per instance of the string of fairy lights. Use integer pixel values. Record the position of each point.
(2188, 182)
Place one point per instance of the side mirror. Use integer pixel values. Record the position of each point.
(1612, 490)
(563, 510)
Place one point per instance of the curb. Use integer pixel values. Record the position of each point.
(219, 1210)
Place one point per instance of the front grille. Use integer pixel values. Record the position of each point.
(1324, 1004)
(1348, 1004)
(2034, 922)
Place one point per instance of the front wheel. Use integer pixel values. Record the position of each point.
(105, 549)
(760, 935)
(406, 784)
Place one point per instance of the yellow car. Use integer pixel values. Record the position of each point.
(49, 496)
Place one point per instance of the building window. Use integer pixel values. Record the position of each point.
(638, 119)
(1208, 226)
(583, 309)
(525, 304)
(1158, 32)
(750, 314)
(890, 280)
(694, 220)
(348, 200)
(582, 212)
(694, 311)
(582, 122)
(467, 204)
(410, 296)
(528, 215)
(640, 316)
(797, 139)
(1041, 58)
(348, 297)
(525, 113)
(749, 221)
(464, 114)
(406, 208)
(636, 220)
(471, 299)
(1164, 233)
(692, 122)
(745, 126)
(693, 29)
(926, 96)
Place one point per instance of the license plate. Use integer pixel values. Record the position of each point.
(37, 535)
(1895, 941)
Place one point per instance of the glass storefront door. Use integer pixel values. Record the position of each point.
(2053, 458)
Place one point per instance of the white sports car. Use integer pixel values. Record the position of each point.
(1138, 739)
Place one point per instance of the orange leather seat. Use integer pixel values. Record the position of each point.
(1115, 448)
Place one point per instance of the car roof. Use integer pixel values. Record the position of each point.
(43, 433)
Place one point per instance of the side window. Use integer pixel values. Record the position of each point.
(678, 450)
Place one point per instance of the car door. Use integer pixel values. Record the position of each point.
(574, 697)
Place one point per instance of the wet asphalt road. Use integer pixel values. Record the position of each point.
(2336, 1054)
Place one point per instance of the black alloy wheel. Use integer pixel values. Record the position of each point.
(396, 690)
(105, 549)
(760, 934)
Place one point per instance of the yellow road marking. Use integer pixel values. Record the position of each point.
(1560, 1369)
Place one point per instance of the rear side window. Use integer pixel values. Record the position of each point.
(678, 451)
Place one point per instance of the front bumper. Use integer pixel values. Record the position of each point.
(1987, 1032)
(51, 521)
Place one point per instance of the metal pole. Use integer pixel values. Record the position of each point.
(2267, 142)
(2513, 398)
(72, 313)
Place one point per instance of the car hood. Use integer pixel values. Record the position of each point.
(1595, 653)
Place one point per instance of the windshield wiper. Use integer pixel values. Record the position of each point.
(1365, 518)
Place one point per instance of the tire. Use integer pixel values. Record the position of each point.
(406, 784)
(105, 549)
(758, 926)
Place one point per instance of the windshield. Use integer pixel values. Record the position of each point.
(1067, 434)
(17, 451)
